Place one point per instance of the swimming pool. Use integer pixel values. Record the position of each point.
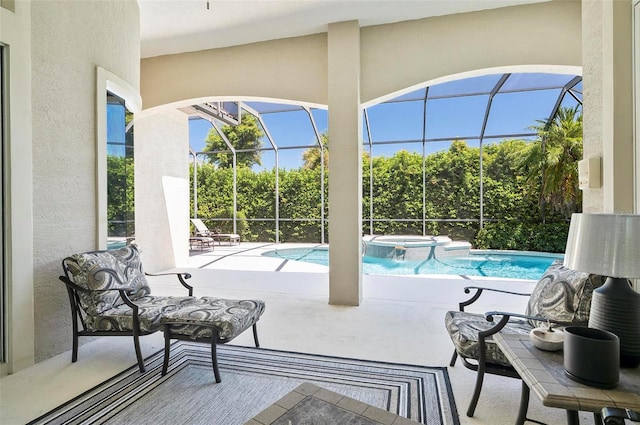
(501, 264)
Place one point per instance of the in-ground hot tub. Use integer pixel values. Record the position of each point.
(413, 247)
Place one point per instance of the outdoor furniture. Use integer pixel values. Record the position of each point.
(232, 238)
(211, 320)
(561, 296)
(201, 242)
(617, 416)
(110, 296)
(203, 230)
(543, 374)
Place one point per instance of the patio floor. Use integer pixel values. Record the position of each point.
(400, 320)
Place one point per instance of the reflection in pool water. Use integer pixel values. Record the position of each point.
(500, 264)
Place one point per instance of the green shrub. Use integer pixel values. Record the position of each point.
(549, 237)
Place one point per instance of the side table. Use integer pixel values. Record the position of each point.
(543, 373)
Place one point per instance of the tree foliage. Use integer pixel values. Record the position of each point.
(312, 157)
(246, 138)
(120, 194)
(550, 163)
(511, 193)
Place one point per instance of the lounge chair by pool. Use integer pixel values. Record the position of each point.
(203, 230)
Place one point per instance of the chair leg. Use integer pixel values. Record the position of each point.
(214, 355)
(74, 349)
(255, 335)
(524, 405)
(454, 357)
(476, 392)
(136, 344)
(167, 349)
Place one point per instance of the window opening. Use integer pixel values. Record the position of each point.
(120, 173)
(463, 120)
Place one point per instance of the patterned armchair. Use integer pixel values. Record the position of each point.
(110, 296)
(561, 297)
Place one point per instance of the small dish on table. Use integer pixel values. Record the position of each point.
(547, 338)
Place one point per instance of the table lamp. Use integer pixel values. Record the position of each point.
(609, 245)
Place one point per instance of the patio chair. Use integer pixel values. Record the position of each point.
(561, 297)
(203, 230)
(110, 296)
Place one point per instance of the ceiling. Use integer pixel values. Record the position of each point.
(176, 26)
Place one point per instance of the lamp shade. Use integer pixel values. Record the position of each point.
(604, 244)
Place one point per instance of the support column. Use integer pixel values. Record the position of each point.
(608, 102)
(161, 149)
(345, 169)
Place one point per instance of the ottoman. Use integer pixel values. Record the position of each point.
(210, 320)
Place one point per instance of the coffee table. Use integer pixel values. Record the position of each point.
(310, 404)
(543, 373)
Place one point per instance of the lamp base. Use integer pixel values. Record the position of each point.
(615, 307)
(630, 362)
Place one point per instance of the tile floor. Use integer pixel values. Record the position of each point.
(400, 320)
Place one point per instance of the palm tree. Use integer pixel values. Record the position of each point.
(311, 156)
(550, 163)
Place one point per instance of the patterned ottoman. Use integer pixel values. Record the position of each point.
(211, 320)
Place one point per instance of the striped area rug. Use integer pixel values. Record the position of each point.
(252, 379)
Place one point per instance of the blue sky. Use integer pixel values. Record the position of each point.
(451, 118)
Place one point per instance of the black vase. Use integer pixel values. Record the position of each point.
(615, 307)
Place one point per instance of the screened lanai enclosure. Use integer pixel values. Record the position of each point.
(471, 158)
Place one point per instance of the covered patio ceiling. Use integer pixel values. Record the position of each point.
(176, 26)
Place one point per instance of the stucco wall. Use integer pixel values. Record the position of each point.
(292, 68)
(593, 96)
(608, 103)
(69, 39)
(405, 54)
(393, 56)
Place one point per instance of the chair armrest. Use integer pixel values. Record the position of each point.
(489, 315)
(182, 277)
(479, 290)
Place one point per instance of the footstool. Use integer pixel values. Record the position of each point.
(210, 320)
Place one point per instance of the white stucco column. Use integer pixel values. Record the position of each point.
(345, 171)
(161, 151)
(608, 102)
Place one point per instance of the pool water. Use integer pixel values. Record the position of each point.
(500, 264)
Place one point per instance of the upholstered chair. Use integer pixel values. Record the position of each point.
(562, 297)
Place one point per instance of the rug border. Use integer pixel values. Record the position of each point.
(449, 389)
